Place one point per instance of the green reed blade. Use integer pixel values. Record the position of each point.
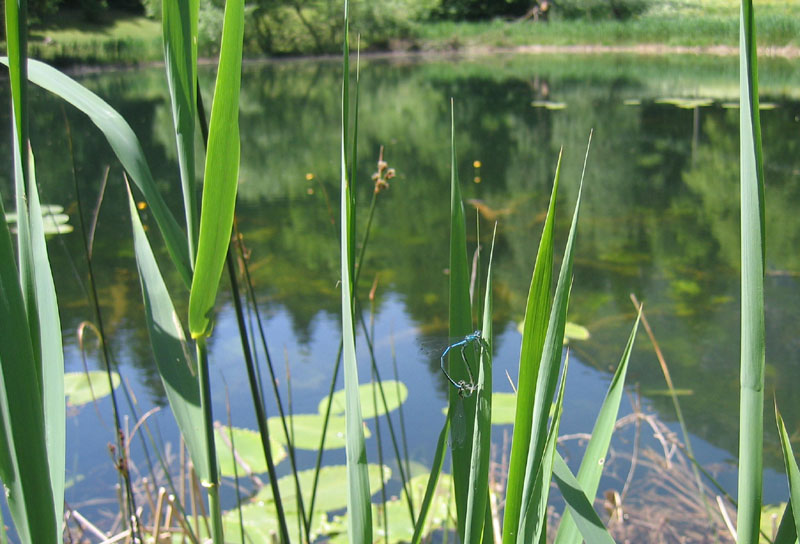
(176, 366)
(125, 145)
(23, 450)
(179, 26)
(359, 509)
(34, 499)
(582, 512)
(751, 399)
(478, 489)
(51, 362)
(460, 325)
(433, 479)
(594, 457)
(792, 471)
(547, 372)
(16, 12)
(535, 328)
(221, 174)
(533, 517)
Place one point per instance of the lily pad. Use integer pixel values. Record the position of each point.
(396, 394)
(686, 103)
(260, 524)
(54, 221)
(548, 105)
(83, 387)
(249, 452)
(504, 408)
(400, 526)
(307, 429)
(331, 488)
(572, 331)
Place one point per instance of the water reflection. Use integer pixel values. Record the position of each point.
(660, 216)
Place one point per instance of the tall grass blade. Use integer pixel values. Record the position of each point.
(221, 174)
(533, 518)
(535, 328)
(359, 509)
(547, 376)
(16, 14)
(125, 145)
(176, 366)
(582, 512)
(179, 26)
(792, 471)
(23, 453)
(594, 457)
(51, 349)
(751, 397)
(478, 490)
(460, 325)
(23, 448)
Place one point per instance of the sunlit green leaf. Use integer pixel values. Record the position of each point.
(221, 177)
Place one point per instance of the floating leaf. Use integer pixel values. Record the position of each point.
(504, 408)
(259, 523)
(249, 452)
(443, 500)
(686, 103)
(548, 105)
(400, 527)
(572, 331)
(396, 394)
(54, 222)
(330, 488)
(82, 387)
(307, 429)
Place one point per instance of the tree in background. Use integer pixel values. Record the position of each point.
(45, 11)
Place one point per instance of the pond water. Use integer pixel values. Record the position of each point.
(660, 219)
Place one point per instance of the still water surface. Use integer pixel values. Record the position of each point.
(660, 219)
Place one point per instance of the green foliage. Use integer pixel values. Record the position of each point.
(42, 10)
(595, 10)
(480, 9)
(313, 26)
(152, 8)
